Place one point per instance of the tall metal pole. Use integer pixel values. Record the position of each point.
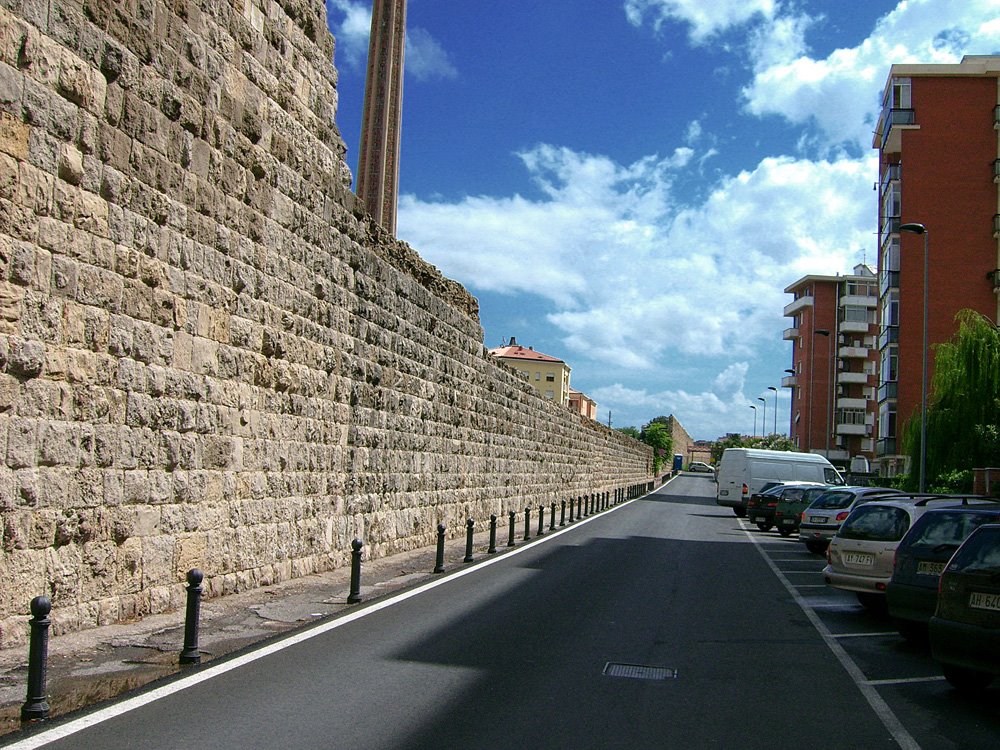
(754, 419)
(772, 388)
(763, 419)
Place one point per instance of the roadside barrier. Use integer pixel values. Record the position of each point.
(439, 562)
(470, 526)
(36, 704)
(190, 653)
(354, 597)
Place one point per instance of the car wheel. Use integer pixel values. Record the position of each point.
(740, 512)
(764, 526)
(817, 548)
(966, 680)
(872, 602)
(785, 532)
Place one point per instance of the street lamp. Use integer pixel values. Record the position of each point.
(829, 385)
(772, 388)
(763, 419)
(921, 229)
(754, 419)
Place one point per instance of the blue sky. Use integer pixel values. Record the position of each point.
(628, 185)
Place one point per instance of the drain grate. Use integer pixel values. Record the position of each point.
(638, 671)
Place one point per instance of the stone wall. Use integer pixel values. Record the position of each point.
(209, 354)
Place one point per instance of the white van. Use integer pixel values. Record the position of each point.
(746, 471)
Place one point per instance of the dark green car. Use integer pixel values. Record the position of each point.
(791, 503)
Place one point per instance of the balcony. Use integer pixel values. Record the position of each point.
(890, 129)
(800, 304)
(852, 403)
(887, 391)
(853, 352)
(996, 226)
(853, 326)
(892, 173)
(846, 378)
(996, 170)
(790, 334)
(890, 226)
(890, 279)
(888, 335)
(885, 447)
(857, 300)
(864, 430)
(789, 381)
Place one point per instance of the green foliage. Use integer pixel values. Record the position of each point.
(632, 432)
(773, 442)
(656, 434)
(957, 480)
(963, 410)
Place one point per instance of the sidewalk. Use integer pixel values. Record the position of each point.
(93, 665)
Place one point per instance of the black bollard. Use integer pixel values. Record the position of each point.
(511, 516)
(470, 526)
(190, 653)
(527, 524)
(541, 520)
(493, 536)
(36, 704)
(579, 508)
(552, 516)
(562, 513)
(355, 596)
(439, 562)
(572, 505)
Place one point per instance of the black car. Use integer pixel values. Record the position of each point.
(761, 505)
(965, 629)
(921, 556)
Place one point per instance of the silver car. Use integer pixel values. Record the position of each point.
(821, 520)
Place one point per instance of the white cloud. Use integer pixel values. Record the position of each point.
(351, 22)
(704, 18)
(632, 274)
(838, 94)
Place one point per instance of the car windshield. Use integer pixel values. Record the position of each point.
(981, 551)
(948, 528)
(832, 477)
(833, 499)
(877, 523)
(812, 493)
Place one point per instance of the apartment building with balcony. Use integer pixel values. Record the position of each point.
(547, 375)
(939, 167)
(832, 378)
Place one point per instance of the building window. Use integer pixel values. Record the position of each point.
(550, 377)
(538, 376)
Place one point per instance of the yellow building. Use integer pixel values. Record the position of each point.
(547, 375)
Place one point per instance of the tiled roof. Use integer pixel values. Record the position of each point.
(520, 352)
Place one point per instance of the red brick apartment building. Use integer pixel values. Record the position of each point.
(937, 138)
(834, 356)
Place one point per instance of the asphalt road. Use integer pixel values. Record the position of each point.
(665, 622)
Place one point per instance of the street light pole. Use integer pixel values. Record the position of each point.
(921, 229)
(763, 419)
(772, 388)
(754, 419)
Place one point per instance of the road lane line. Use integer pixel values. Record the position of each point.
(888, 718)
(211, 671)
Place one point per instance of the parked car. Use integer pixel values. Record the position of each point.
(965, 629)
(860, 555)
(700, 466)
(820, 521)
(743, 472)
(791, 503)
(761, 506)
(921, 556)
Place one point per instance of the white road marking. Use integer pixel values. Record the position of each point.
(879, 706)
(880, 634)
(62, 731)
(907, 680)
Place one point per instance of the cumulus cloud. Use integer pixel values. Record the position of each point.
(704, 18)
(351, 23)
(838, 94)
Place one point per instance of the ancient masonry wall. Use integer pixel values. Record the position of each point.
(209, 355)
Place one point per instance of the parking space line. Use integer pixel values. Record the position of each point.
(809, 585)
(880, 633)
(907, 680)
(889, 719)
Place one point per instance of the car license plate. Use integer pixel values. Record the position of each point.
(860, 559)
(758, 519)
(818, 519)
(979, 600)
(787, 521)
(930, 568)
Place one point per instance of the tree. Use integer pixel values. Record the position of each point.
(772, 442)
(963, 410)
(657, 435)
(632, 432)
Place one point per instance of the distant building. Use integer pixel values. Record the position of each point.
(938, 168)
(547, 375)
(834, 358)
(582, 404)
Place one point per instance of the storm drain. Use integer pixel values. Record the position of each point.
(638, 671)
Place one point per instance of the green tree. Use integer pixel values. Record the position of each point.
(657, 435)
(773, 442)
(632, 432)
(963, 410)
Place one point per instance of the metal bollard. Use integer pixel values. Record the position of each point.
(36, 704)
(190, 653)
(511, 516)
(579, 508)
(552, 516)
(541, 520)
(470, 525)
(562, 513)
(572, 505)
(355, 596)
(527, 524)
(439, 562)
(493, 536)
